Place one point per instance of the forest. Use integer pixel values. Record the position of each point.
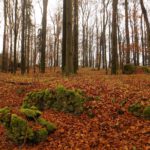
(74, 75)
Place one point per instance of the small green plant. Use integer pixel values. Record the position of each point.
(139, 110)
(136, 109)
(123, 102)
(146, 112)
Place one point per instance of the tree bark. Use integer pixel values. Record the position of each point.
(114, 38)
(127, 32)
(148, 28)
(43, 44)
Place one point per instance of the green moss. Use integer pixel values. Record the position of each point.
(41, 135)
(49, 126)
(136, 109)
(145, 69)
(129, 69)
(123, 102)
(5, 116)
(37, 99)
(4, 110)
(146, 112)
(30, 113)
(69, 101)
(30, 135)
(18, 129)
(60, 99)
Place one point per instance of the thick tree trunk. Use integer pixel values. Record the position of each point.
(114, 38)
(127, 32)
(67, 39)
(64, 37)
(75, 36)
(5, 50)
(43, 44)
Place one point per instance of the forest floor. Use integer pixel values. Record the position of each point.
(107, 130)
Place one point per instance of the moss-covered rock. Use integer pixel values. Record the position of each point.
(142, 69)
(146, 112)
(41, 135)
(32, 113)
(5, 116)
(18, 129)
(129, 69)
(49, 126)
(38, 99)
(146, 69)
(60, 99)
(4, 110)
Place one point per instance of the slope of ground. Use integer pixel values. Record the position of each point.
(109, 129)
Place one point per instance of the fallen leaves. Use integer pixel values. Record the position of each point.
(107, 130)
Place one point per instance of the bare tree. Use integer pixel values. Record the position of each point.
(67, 53)
(43, 44)
(147, 26)
(114, 38)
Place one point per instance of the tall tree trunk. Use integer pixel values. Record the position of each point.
(142, 42)
(148, 28)
(43, 44)
(114, 38)
(23, 38)
(5, 50)
(64, 37)
(75, 36)
(127, 32)
(136, 40)
(67, 38)
(15, 36)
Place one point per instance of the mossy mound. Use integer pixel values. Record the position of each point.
(31, 113)
(60, 99)
(129, 69)
(19, 130)
(49, 126)
(5, 116)
(37, 99)
(142, 69)
(40, 135)
(139, 110)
